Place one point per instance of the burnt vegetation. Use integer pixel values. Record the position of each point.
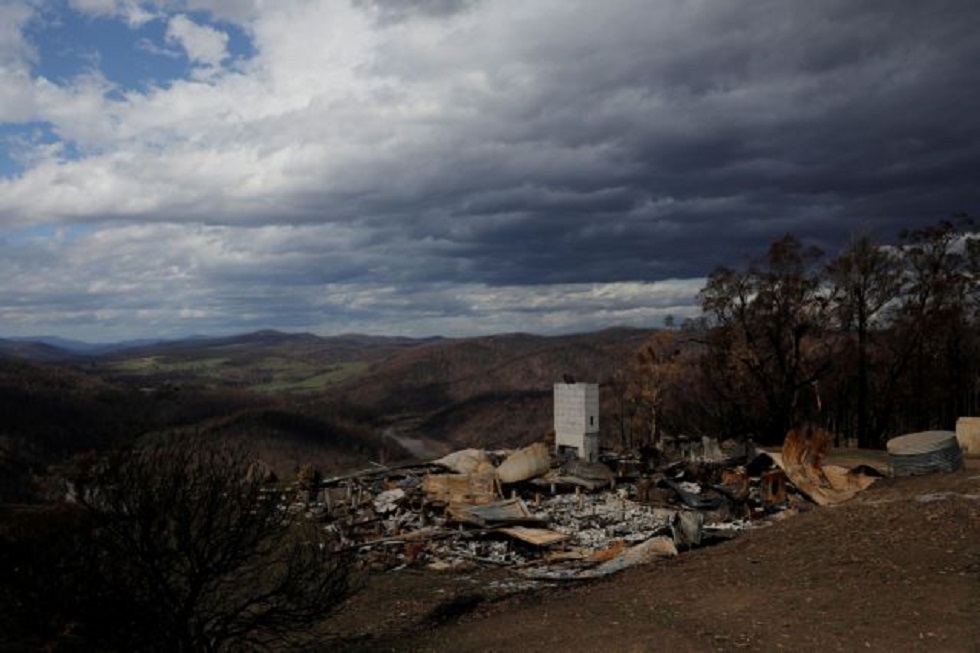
(175, 545)
(875, 342)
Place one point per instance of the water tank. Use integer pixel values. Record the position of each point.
(968, 433)
(924, 453)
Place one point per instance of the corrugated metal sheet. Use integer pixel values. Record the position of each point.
(925, 453)
(537, 536)
(510, 511)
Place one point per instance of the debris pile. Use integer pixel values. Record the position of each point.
(555, 520)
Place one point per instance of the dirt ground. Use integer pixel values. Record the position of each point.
(895, 569)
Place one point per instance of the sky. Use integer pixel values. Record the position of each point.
(456, 167)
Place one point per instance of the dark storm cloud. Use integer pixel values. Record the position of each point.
(657, 143)
(396, 11)
(737, 125)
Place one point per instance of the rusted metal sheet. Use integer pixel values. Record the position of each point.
(802, 460)
(589, 471)
(642, 553)
(605, 555)
(467, 489)
(692, 499)
(536, 536)
(772, 488)
(558, 480)
(512, 511)
(857, 478)
(687, 527)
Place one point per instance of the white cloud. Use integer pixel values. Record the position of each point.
(16, 97)
(134, 12)
(16, 55)
(146, 45)
(236, 11)
(314, 277)
(138, 12)
(203, 44)
(96, 7)
(14, 47)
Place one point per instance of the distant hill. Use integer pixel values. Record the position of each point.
(36, 351)
(54, 348)
(494, 390)
(304, 397)
(266, 361)
(467, 367)
(200, 346)
(85, 348)
(51, 413)
(482, 391)
(286, 438)
(60, 411)
(488, 391)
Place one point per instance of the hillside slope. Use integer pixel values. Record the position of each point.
(51, 414)
(489, 391)
(265, 361)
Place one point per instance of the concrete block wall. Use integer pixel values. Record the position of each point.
(577, 418)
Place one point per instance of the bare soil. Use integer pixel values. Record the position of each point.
(895, 569)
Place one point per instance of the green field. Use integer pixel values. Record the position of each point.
(269, 373)
(164, 365)
(332, 376)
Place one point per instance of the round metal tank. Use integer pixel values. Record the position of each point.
(924, 453)
(968, 433)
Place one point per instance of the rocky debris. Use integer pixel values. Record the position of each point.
(554, 520)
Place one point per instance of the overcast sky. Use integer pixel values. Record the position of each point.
(456, 167)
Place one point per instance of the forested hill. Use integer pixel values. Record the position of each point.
(489, 391)
(36, 351)
(300, 398)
